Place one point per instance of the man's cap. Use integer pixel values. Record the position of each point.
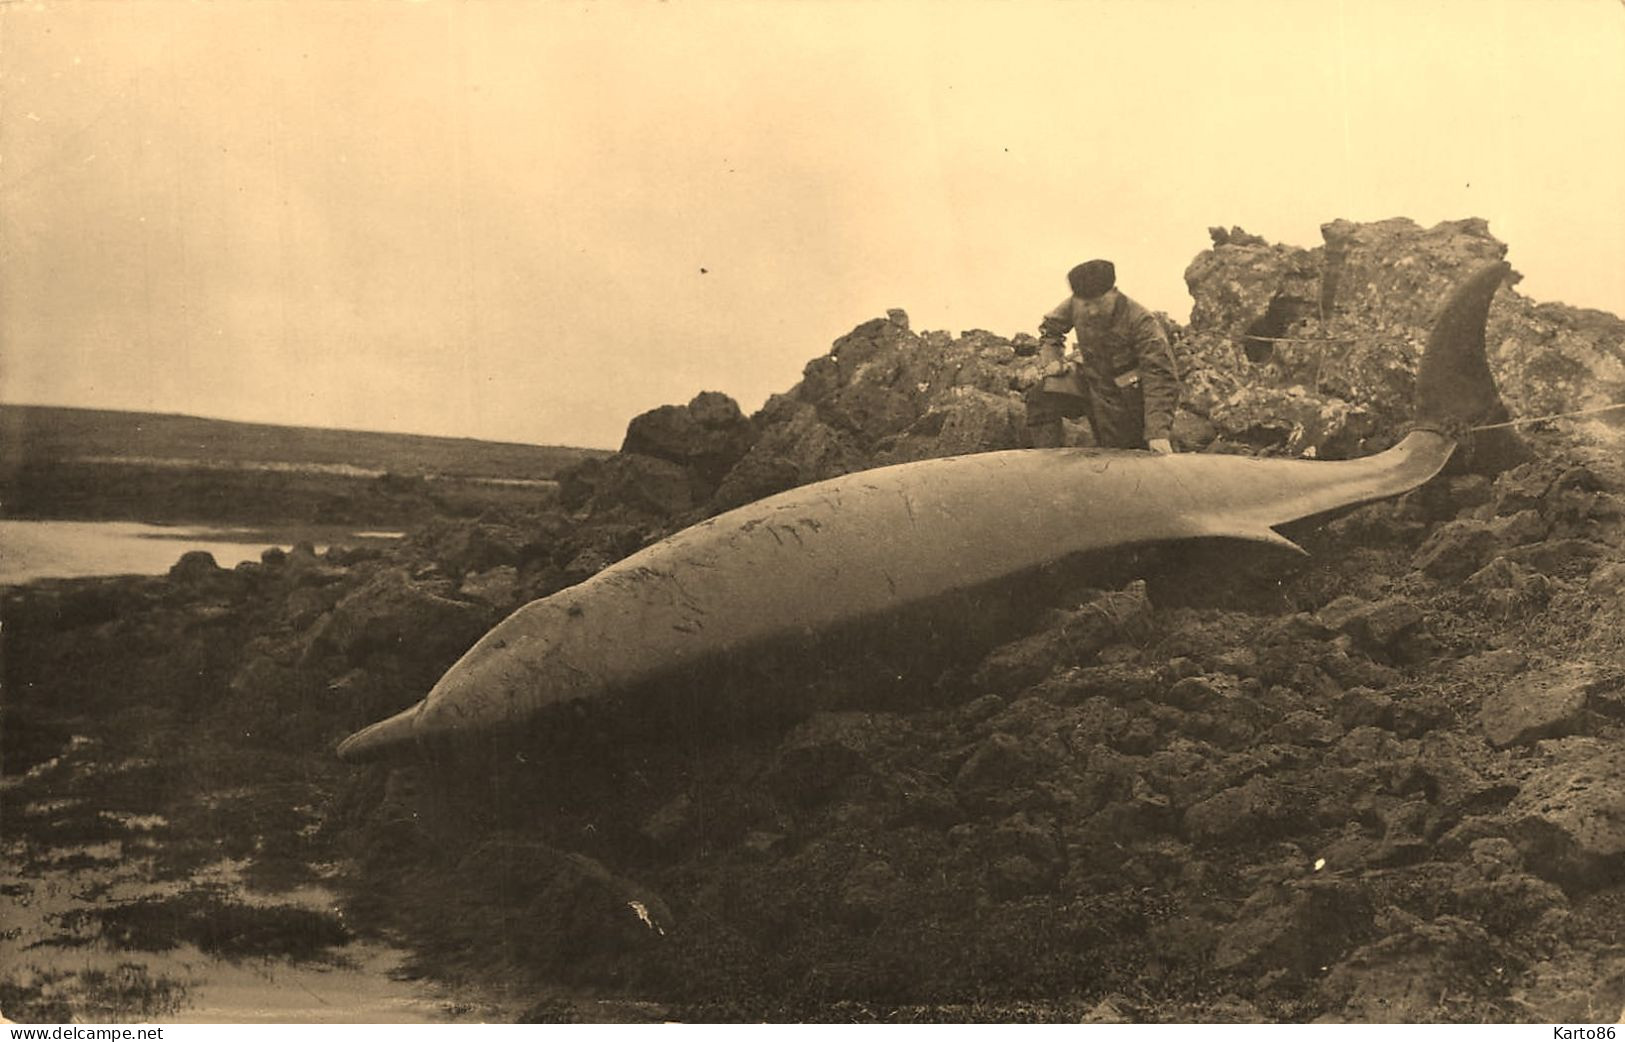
(1092, 278)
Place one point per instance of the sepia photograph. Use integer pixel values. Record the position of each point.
(812, 512)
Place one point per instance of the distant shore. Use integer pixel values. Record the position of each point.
(82, 464)
(105, 491)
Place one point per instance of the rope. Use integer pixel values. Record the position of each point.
(1486, 427)
(1553, 416)
(1300, 339)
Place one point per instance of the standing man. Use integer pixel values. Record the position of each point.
(1124, 381)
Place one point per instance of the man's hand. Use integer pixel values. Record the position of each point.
(1161, 446)
(1055, 368)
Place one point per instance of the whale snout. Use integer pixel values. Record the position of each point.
(389, 739)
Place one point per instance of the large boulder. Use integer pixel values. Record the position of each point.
(970, 420)
(1069, 637)
(796, 447)
(1256, 809)
(462, 547)
(708, 435)
(392, 612)
(828, 748)
(195, 566)
(1392, 628)
(1399, 270)
(631, 482)
(883, 395)
(1295, 422)
(871, 409)
(1403, 975)
(1457, 550)
(1536, 706)
(1571, 818)
(1245, 286)
(1297, 927)
(1552, 358)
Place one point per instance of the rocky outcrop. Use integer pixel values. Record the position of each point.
(1384, 785)
(1340, 326)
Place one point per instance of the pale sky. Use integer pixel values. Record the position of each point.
(531, 221)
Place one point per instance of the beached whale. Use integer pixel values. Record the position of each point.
(854, 553)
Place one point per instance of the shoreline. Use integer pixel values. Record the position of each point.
(44, 550)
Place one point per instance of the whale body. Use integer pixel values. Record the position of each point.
(854, 552)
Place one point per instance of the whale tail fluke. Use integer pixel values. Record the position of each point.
(1455, 392)
(1454, 388)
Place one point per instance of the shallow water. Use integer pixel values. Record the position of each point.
(104, 928)
(358, 982)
